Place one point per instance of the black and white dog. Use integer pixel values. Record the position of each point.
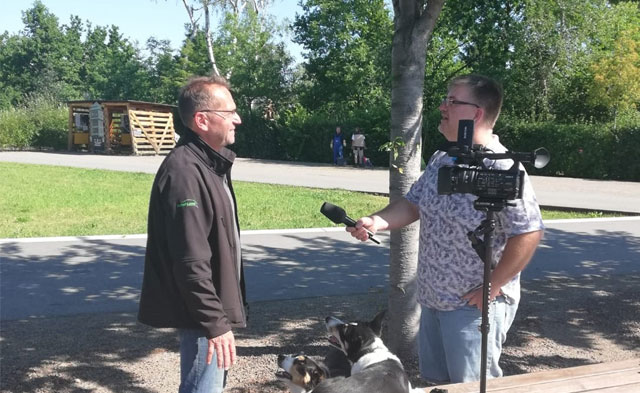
(374, 368)
(301, 373)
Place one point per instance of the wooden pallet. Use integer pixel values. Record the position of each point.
(615, 377)
(152, 133)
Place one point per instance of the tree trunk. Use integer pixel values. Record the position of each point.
(192, 21)
(207, 31)
(413, 24)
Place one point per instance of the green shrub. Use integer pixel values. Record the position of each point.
(593, 151)
(16, 128)
(624, 161)
(298, 135)
(42, 122)
(52, 127)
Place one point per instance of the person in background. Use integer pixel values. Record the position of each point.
(358, 146)
(193, 274)
(337, 145)
(450, 273)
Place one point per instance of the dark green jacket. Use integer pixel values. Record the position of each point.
(191, 275)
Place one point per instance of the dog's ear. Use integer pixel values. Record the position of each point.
(376, 324)
(318, 374)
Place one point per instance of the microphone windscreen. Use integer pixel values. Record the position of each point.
(465, 134)
(333, 212)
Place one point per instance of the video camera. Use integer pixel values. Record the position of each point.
(470, 175)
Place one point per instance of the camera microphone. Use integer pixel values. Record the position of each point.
(338, 216)
(465, 134)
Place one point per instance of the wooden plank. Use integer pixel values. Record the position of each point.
(152, 115)
(618, 389)
(155, 131)
(590, 378)
(133, 119)
(150, 112)
(70, 133)
(572, 372)
(106, 129)
(584, 383)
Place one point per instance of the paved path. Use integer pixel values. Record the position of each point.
(551, 191)
(48, 277)
(44, 277)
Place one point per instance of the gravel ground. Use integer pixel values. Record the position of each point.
(561, 323)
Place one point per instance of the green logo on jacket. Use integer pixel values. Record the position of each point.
(187, 203)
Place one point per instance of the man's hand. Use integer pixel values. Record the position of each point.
(360, 230)
(225, 348)
(516, 255)
(396, 215)
(474, 296)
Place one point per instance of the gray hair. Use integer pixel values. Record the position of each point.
(195, 95)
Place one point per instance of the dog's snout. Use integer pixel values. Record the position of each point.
(333, 321)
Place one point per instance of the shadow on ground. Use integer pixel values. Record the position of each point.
(574, 311)
(71, 277)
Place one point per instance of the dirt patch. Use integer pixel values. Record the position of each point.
(561, 323)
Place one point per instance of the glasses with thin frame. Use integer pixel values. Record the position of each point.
(231, 112)
(447, 102)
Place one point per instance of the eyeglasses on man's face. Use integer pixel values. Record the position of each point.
(230, 113)
(447, 102)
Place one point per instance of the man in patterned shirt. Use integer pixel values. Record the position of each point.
(450, 273)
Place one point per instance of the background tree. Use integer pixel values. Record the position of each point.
(203, 9)
(165, 76)
(558, 62)
(126, 77)
(616, 76)
(346, 77)
(414, 22)
(43, 59)
(95, 71)
(257, 65)
(347, 46)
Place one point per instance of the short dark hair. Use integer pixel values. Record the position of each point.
(195, 95)
(486, 92)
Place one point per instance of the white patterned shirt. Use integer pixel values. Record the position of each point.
(448, 266)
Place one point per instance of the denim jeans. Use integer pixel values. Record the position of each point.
(196, 376)
(450, 342)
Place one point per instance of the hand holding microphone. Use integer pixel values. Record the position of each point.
(339, 216)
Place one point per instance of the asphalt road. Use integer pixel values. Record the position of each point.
(562, 192)
(56, 277)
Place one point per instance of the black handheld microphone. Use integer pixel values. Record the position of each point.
(339, 216)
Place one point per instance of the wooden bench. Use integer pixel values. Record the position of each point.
(615, 377)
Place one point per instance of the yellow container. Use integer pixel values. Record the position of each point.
(125, 140)
(80, 138)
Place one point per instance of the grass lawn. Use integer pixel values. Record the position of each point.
(42, 200)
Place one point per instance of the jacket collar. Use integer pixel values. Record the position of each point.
(220, 162)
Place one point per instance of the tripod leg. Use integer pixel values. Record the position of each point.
(486, 292)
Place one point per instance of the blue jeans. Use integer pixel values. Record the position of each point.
(196, 376)
(337, 152)
(450, 342)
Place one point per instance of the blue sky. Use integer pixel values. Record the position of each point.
(137, 19)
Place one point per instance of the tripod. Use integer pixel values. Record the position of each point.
(484, 248)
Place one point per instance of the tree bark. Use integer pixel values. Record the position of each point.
(414, 21)
(207, 31)
(194, 22)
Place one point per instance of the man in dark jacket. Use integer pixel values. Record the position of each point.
(193, 274)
